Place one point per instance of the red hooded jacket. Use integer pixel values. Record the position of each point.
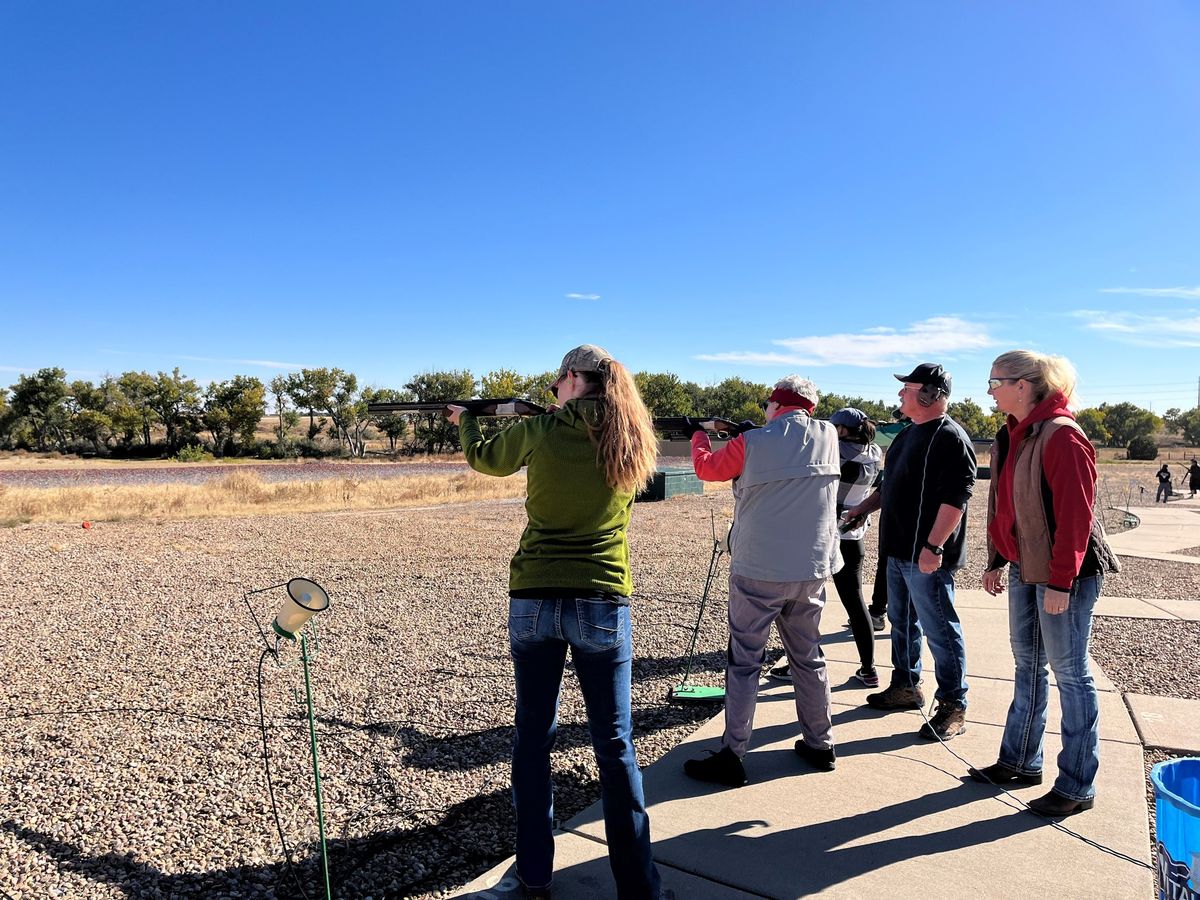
(1069, 470)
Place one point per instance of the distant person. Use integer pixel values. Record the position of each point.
(1164, 484)
(569, 588)
(783, 545)
(1193, 476)
(860, 459)
(1042, 525)
(928, 483)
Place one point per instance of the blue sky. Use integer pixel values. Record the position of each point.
(707, 188)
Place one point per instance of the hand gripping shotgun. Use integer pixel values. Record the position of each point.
(681, 428)
(503, 406)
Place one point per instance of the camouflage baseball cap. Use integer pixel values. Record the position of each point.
(584, 358)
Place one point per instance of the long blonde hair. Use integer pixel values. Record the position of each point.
(1045, 373)
(626, 444)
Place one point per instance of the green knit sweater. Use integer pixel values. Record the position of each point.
(576, 536)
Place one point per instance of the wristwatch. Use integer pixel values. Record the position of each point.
(936, 551)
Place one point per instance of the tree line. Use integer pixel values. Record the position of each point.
(323, 411)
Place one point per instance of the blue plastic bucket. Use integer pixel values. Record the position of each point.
(1177, 817)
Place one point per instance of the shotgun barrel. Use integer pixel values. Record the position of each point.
(678, 428)
(502, 406)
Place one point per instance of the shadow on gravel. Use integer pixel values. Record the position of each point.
(463, 841)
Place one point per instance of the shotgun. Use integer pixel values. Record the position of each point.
(677, 428)
(503, 406)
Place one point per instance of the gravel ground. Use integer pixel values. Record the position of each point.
(131, 754)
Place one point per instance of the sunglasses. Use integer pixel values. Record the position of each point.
(994, 383)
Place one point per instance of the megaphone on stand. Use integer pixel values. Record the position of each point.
(305, 599)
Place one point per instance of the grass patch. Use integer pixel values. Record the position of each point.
(244, 493)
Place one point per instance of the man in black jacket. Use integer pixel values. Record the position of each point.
(930, 473)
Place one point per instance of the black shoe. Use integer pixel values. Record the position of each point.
(999, 773)
(949, 721)
(781, 672)
(529, 893)
(721, 767)
(895, 697)
(1054, 805)
(823, 760)
(877, 622)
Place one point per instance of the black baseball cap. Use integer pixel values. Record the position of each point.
(928, 373)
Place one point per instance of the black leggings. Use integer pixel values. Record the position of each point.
(848, 581)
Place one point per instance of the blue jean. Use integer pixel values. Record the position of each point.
(1037, 638)
(601, 642)
(920, 604)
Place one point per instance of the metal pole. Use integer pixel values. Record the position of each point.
(312, 734)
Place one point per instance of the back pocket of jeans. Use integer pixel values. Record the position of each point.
(523, 617)
(601, 623)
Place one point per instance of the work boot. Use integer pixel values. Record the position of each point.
(1054, 805)
(721, 767)
(999, 773)
(949, 720)
(896, 697)
(822, 760)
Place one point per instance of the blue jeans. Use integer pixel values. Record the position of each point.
(924, 604)
(601, 642)
(1037, 638)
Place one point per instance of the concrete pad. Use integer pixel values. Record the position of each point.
(581, 872)
(1181, 609)
(1130, 608)
(1167, 722)
(988, 700)
(985, 632)
(896, 812)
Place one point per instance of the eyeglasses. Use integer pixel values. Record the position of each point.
(994, 383)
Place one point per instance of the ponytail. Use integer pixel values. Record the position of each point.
(626, 444)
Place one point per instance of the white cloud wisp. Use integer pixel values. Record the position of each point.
(1182, 293)
(937, 338)
(1144, 330)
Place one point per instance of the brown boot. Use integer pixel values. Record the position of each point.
(949, 720)
(896, 697)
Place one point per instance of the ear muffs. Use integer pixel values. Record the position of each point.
(928, 394)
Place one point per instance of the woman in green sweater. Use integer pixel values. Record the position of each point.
(569, 587)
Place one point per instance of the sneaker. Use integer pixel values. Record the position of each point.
(869, 677)
(719, 767)
(782, 672)
(949, 720)
(896, 697)
(822, 760)
(999, 773)
(877, 622)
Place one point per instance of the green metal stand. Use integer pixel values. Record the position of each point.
(312, 734)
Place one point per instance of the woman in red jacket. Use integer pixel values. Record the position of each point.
(1041, 524)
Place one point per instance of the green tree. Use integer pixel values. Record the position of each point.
(735, 399)
(232, 411)
(1171, 420)
(975, 422)
(176, 402)
(1091, 420)
(432, 429)
(311, 390)
(348, 411)
(138, 390)
(664, 394)
(1125, 421)
(39, 401)
(1189, 424)
(394, 425)
(877, 410)
(90, 420)
(281, 391)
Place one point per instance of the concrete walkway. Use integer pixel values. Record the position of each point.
(897, 816)
(1162, 529)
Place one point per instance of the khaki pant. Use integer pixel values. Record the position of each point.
(795, 608)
